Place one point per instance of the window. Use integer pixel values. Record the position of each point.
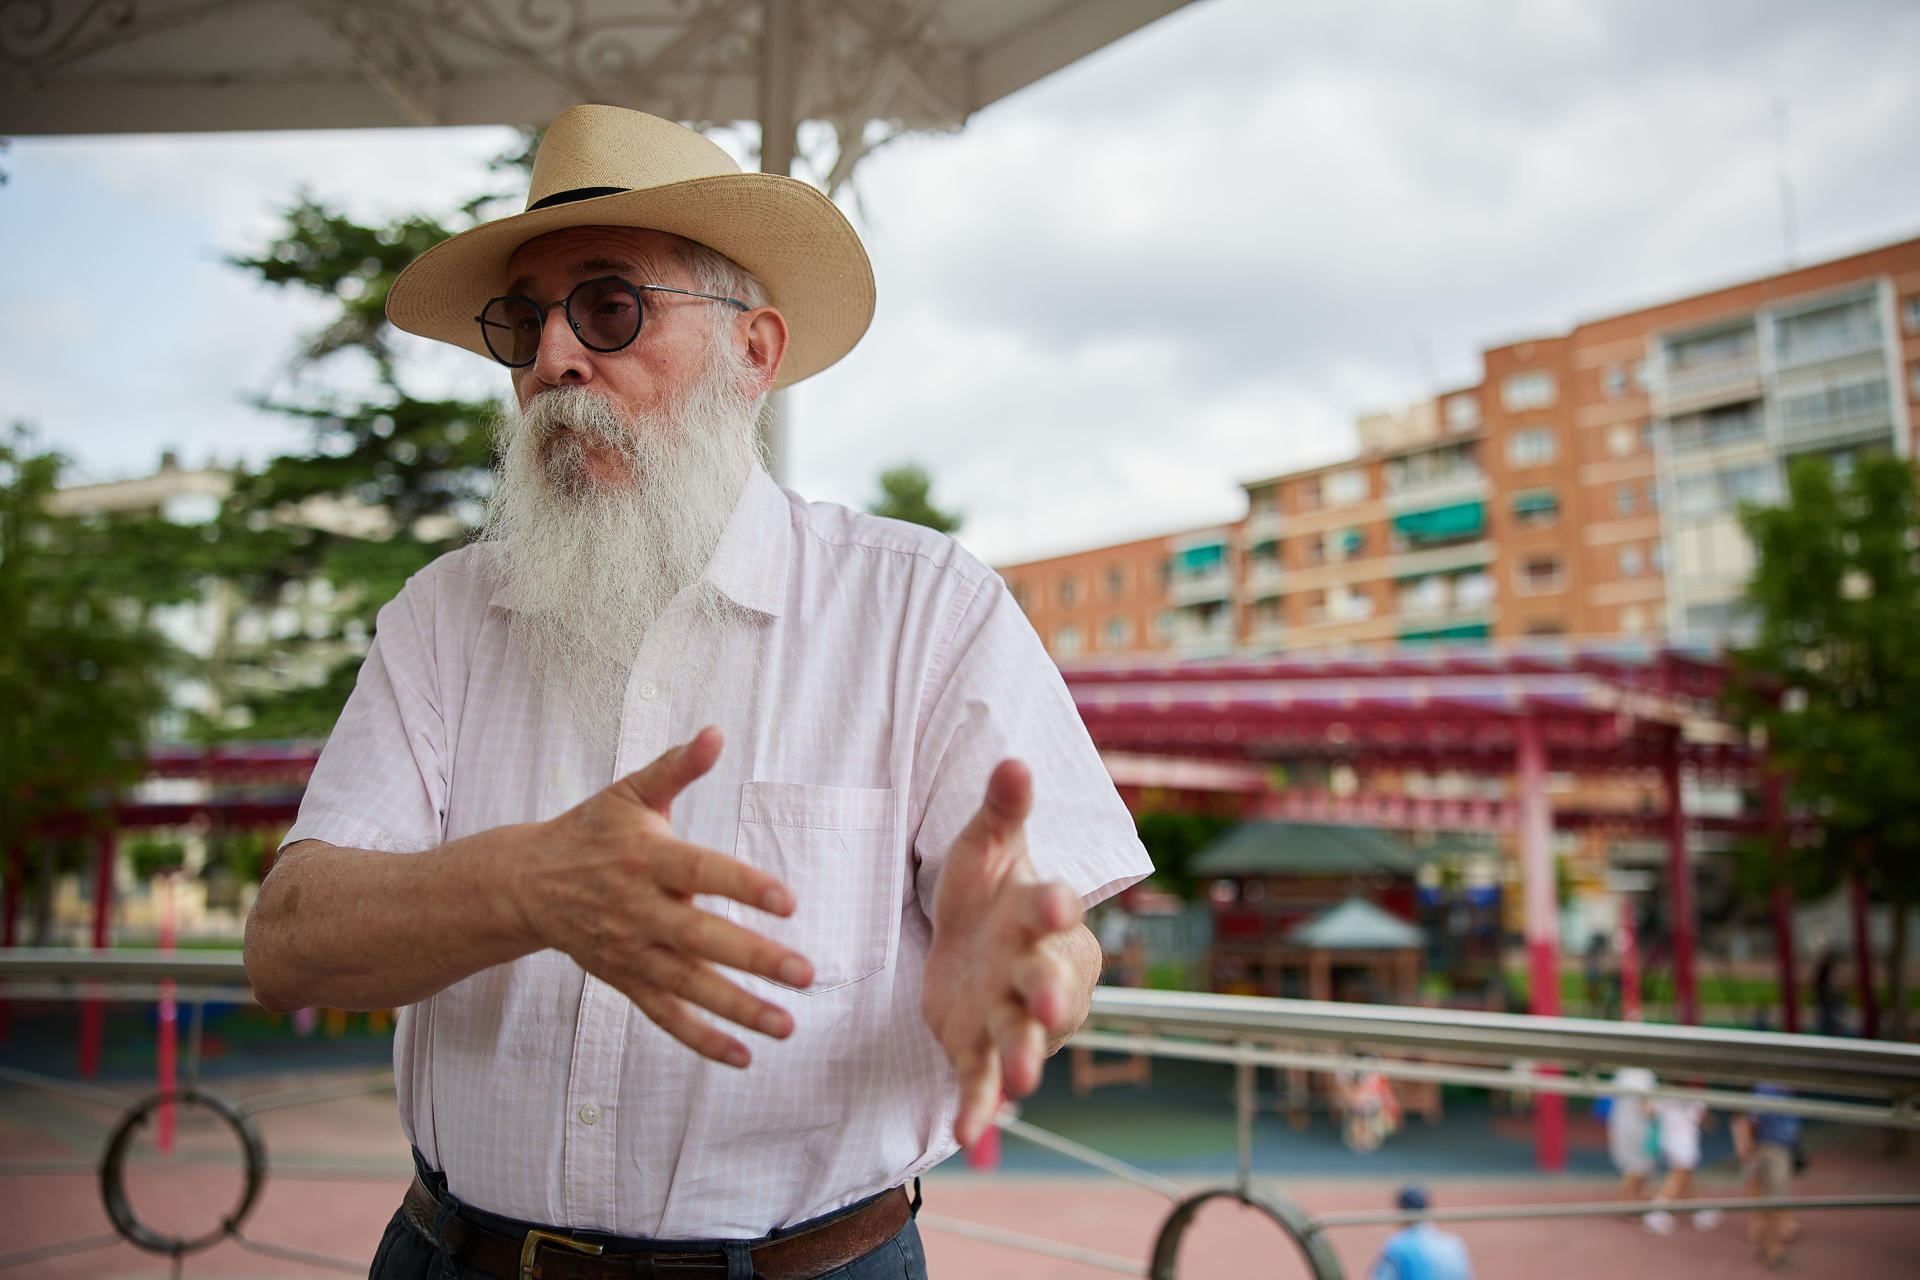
(1422, 596)
(1726, 424)
(1473, 590)
(1854, 397)
(1116, 581)
(1314, 550)
(1530, 447)
(1343, 487)
(1023, 596)
(1622, 439)
(1700, 350)
(1536, 507)
(1913, 381)
(1623, 500)
(1910, 314)
(1306, 494)
(1837, 330)
(1630, 562)
(1163, 623)
(1117, 634)
(1266, 616)
(1533, 389)
(1463, 412)
(1353, 544)
(1316, 610)
(1546, 627)
(1658, 557)
(1540, 575)
(1066, 641)
(1349, 604)
(1444, 465)
(1613, 381)
(1263, 502)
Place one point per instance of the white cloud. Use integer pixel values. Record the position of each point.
(1186, 261)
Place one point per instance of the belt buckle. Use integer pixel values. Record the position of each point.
(535, 1239)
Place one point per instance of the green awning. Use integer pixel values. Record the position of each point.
(1203, 559)
(1437, 635)
(1535, 502)
(1441, 524)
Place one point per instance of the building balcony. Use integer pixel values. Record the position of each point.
(1464, 555)
(1834, 431)
(1703, 385)
(1193, 635)
(1263, 526)
(1838, 344)
(1200, 588)
(1264, 577)
(1463, 487)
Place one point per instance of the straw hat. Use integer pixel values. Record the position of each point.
(606, 166)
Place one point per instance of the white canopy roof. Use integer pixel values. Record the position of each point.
(133, 66)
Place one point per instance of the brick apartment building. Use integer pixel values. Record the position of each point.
(1589, 485)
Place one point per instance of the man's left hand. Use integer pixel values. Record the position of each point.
(999, 982)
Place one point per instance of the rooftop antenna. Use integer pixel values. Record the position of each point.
(1786, 180)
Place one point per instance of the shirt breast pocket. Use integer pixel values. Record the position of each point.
(834, 847)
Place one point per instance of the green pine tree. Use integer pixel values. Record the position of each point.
(905, 494)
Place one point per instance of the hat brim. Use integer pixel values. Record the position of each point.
(786, 232)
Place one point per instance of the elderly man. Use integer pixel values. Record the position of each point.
(682, 816)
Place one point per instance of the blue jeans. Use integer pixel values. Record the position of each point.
(404, 1255)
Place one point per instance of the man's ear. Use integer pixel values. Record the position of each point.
(766, 337)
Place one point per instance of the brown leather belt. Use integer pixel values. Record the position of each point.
(552, 1255)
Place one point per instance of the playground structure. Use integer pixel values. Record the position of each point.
(1208, 734)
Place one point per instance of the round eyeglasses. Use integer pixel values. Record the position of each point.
(604, 313)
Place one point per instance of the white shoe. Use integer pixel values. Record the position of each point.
(1707, 1219)
(1659, 1221)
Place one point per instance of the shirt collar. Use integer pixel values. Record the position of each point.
(749, 566)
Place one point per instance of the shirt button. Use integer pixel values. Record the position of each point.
(649, 692)
(589, 1114)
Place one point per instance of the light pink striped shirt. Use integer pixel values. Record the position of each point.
(877, 675)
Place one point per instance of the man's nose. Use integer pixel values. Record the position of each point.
(562, 359)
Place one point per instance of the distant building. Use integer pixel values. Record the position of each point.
(1588, 485)
(243, 645)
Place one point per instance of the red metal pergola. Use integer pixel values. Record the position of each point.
(1217, 725)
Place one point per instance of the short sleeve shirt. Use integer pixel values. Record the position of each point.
(871, 677)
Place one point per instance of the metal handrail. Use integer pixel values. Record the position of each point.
(1870, 1068)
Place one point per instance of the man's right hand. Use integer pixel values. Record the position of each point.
(610, 885)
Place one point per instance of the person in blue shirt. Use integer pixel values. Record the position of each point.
(1422, 1251)
(1766, 1141)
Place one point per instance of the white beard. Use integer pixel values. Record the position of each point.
(589, 564)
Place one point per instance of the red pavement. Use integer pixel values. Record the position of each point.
(343, 1216)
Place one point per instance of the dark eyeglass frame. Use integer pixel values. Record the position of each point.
(566, 307)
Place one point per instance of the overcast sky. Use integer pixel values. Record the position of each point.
(1184, 262)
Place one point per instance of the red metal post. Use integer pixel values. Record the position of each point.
(93, 1012)
(167, 1050)
(1782, 902)
(1542, 901)
(1863, 959)
(1680, 886)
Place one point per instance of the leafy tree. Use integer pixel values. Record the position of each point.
(83, 669)
(420, 463)
(1171, 840)
(1834, 676)
(905, 494)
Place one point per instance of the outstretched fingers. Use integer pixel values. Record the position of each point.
(683, 1024)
